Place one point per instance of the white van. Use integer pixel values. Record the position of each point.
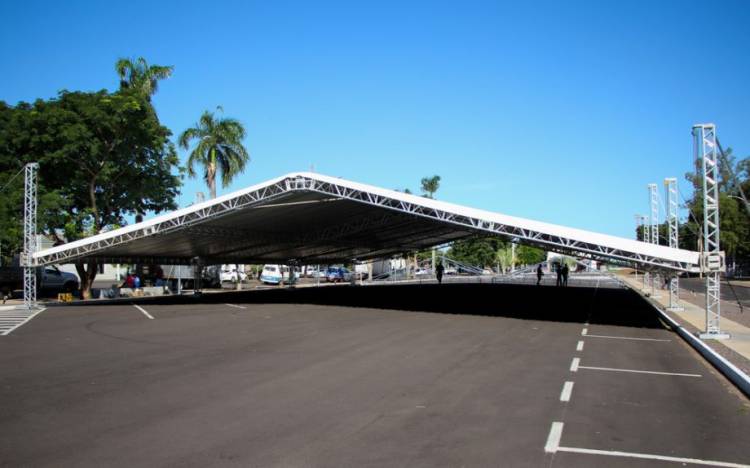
(274, 274)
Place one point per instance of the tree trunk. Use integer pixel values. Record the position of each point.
(211, 174)
(87, 273)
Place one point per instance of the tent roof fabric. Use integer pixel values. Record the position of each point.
(310, 218)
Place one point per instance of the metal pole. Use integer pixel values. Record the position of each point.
(670, 186)
(712, 261)
(29, 235)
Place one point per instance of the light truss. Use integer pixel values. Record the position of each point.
(712, 259)
(435, 223)
(670, 188)
(29, 234)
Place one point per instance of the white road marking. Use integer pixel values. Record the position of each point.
(236, 306)
(10, 319)
(624, 338)
(143, 310)
(584, 331)
(574, 364)
(553, 440)
(566, 391)
(579, 346)
(646, 456)
(639, 371)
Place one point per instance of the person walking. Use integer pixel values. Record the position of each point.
(539, 274)
(565, 271)
(439, 269)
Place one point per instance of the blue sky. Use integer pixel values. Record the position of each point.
(556, 111)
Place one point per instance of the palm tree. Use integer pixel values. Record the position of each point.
(138, 74)
(430, 185)
(219, 148)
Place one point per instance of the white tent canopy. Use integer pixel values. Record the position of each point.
(310, 218)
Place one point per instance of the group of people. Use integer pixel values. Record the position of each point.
(562, 274)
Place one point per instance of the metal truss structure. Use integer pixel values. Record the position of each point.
(712, 260)
(342, 220)
(29, 235)
(670, 187)
(653, 196)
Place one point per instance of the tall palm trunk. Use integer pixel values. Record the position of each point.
(211, 176)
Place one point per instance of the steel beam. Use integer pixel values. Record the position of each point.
(29, 235)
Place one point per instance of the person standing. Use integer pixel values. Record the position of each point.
(539, 274)
(558, 270)
(565, 271)
(439, 270)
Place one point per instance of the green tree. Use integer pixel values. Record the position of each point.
(527, 255)
(430, 185)
(477, 251)
(103, 156)
(138, 75)
(219, 148)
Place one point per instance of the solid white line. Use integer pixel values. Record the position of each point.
(639, 371)
(237, 306)
(143, 310)
(566, 391)
(579, 346)
(625, 338)
(7, 332)
(584, 331)
(647, 456)
(574, 364)
(553, 440)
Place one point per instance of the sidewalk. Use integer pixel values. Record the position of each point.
(736, 349)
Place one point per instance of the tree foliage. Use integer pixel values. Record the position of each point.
(138, 75)
(430, 185)
(219, 148)
(102, 156)
(733, 217)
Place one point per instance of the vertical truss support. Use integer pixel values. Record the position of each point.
(29, 235)
(712, 261)
(670, 187)
(653, 197)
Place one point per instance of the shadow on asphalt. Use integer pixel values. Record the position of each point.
(603, 306)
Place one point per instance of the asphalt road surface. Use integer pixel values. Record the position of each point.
(432, 376)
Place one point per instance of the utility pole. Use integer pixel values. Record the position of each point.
(653, 197)
(670, 187)
(29, 235)
(712, 258)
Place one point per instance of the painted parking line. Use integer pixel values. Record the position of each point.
(555, 434)
(144, 311)
(610, 369)
(10, 319)
(567, 390)
(574, 364)
(579, 346)
(236, 306)
(624, 338)
(584, 331)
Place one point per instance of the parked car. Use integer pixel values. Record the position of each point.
(231, 275)
(275, 274)
(422, 272)
(49, 277)
(338, 275)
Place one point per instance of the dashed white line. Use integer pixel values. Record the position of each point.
(625, 338)
(579, 346)
(584, 331)
(143, 310)
(645, 456)
(236, 306)
(566, 391)
(679, 374)
(553, 440)
(574, 364)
